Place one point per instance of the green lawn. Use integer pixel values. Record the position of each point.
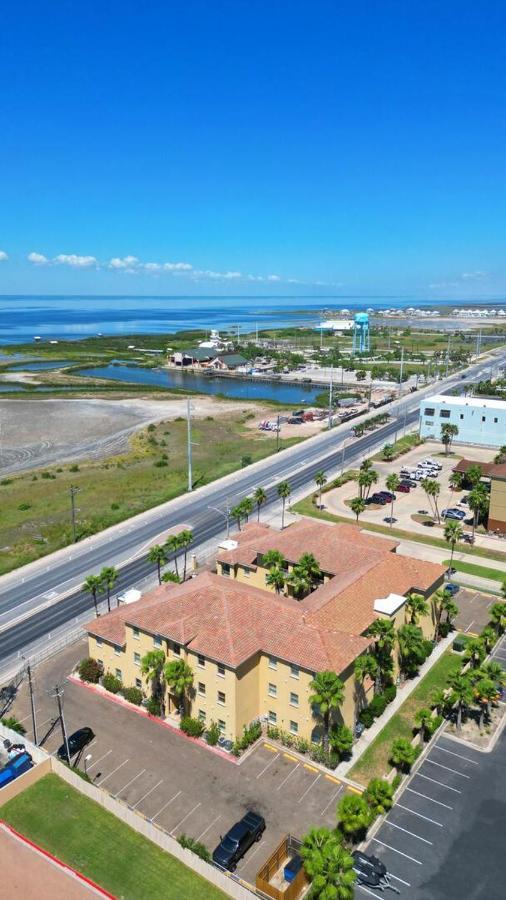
(374, 761)
(97, 844)
(480, 571)
(401, 446)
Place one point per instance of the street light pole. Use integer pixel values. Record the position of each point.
(58, 694)
(189, 438)
(32, 702)
(73, 490)
(277, 435)
(330, 397)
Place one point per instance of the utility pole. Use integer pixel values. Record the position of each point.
(32, 703)
(321, 337)
(189, 438)
(277, 435)
(447, 356)
(330, 396)
(256, 333)
(58, 694)
(401, 371)
(73, 490)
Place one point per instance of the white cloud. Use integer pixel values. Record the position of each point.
(273, 278)
(473, 276)
(3, 256)
(38, 259)
(77, 262)
(177, 267)
(125, 262)
(152, 267)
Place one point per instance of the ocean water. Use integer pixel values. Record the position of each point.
(24, 317)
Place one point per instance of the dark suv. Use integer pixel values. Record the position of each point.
(76, 742)
(238, 840)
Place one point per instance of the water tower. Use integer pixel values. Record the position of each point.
(360, 333)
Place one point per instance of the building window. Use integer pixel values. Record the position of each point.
(202, 715)
(99, 642)
(135, 633)
(138, 683)
(428, 411)
(273, 663)
(294, 671)
(483, 419)
(119, 674)
(202, 689)
(246, 573)
(273, 691)
(201, 661)
(294, 699)
(100, 662)
(462, 415)
(137, 659)
(176, 649)
(272, 717)
(157, 641)
(221, 670)
(496, 420)
(444, 413)
(221, 726)
(225, 569)
(294, 728)
(117, 650)
(221, 698)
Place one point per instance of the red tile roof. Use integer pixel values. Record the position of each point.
(489, 470)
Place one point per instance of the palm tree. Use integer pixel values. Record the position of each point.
(273, 558)
(172, 545)
(439, 700)
(383, 631)
(247, 507)
(501, 455)
(366, 479)
(328, 865)
(365, 465)
(417, 606)
(448, 433)
(461, 695)
(453, 533)
(402, 754)
(478, 501)
(321, 480)
(357, 505)
(152, 664)
(423, 720)
(474, 474)
(179, 676)
(260, 498)
(455, 481)
(498, 616)
(379, 796)
(185, 540)
(450, 607)
(328, 694)
(486, 692)
(388, 452)
(311, 567)
(393, 481)
(410, 640)
(237, 513)
(284, 491)
(366, 666)
(353, 816)
(275, 579)
(93, 585)
(438, 601)
(157, 556)
(299, 582)
(432, 489)
(493, 670)
(108, 578)
(475, 653)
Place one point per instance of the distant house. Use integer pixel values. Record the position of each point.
(195, 357)
(227, 362)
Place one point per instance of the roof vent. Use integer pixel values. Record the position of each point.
(389, 605)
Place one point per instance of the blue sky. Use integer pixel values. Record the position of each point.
(251, 147)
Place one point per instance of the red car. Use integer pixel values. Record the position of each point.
(403, 489)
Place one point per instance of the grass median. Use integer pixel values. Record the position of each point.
(85, 836)
(479, 571)
(374, 761)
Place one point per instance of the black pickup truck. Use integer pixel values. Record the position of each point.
(238, 840)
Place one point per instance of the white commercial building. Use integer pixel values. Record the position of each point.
(336, 325)
(480, 421)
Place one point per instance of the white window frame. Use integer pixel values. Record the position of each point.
(272, 689)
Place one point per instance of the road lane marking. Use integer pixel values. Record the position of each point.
(468, 627)
(130, 782)
(287, 777)
(441, 783)
(148, 793)
(100, 758)
(389, 847)
(208, 827)
(412, 811)
(405, 830)
(334, 797)
(247, 858)
(366, 890)
(113, 771)
(396, 878)
(273, 760)
(452, 752)
(187, 816)
(309, 788)
(29, 716)
(426, 797)
(448, 769)
(165, 805)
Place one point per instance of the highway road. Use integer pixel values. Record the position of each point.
(29, 604)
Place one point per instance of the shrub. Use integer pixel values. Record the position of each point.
(273, 732)
(132, 694)
(171, 576)
(366, 717)
(250, 734)
(111, 683)
(390, 692)
(319, 755)
(341, 740)
(48, 475)
(302, 745)
(287, 739)
(114, 506)
(396, 781)
(378, 705)
(197, 847)
(153, 706)
(74, 468)
(213, 734)
(403, 754)
(151, 428)
(246, 460)
(24, 506)
(379, 796)
(5, 481)
(14, 725)
(428, 647)
(161, 464)
(192, 727)
(90, 670)
(444, 629)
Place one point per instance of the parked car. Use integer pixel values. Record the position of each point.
(238, 840)
(387, 495)
(18, 765)
(409, 482)
(377, 498)
(77, 741)
(453, 513)
(433, 462)
(403, 488)
(452, 588)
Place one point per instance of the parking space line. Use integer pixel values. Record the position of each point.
(273, 760)
(187, 816)
(100, 758)
(29, 716)
(208, 827)
(287, 777)
(251, 855)
(441, 783)
(112, 773)
(147, 793)
(160, 811)
(426, 797)
(412, 811)
(331, 801)
(130, 782)
(405, 830)
(366, 890)
(448, 769)
(396, 878)
(389, 847)
(309, 788)
(452, 752)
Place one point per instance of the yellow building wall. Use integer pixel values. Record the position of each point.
(497, 510)
(209, 703)
(247, 693)
(255, 577)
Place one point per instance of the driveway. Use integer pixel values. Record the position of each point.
(474, 610)
(444, 838)
(178, 785)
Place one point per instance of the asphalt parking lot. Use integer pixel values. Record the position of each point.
(499, 652)
(444, 838)
(473, 610)
(181, 787)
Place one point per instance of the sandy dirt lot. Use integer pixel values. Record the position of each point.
(42, 432)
